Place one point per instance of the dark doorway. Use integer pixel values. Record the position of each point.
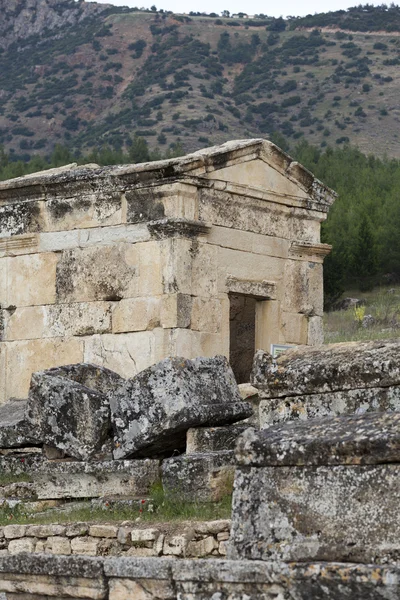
(242, 321)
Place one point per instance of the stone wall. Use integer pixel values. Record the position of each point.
(123, 266)
(40, 577)
(179, 540)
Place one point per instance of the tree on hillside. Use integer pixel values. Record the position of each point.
(364, 257)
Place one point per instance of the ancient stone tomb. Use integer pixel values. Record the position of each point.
(213, 253)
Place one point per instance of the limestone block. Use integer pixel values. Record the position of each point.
(136, 314)
(203, 547)
(144, 535)
(31, 279)
(175, 545)
(63, 320)
(303, 291)
(124, 534)
(126, 353)
(329, 368)
(27, 357)
(213, 527)
(223, 548)
(22, 586)
(247, 241)
(45, 531)
(58, 545)
(202, 477)
(3, 371)
(12, 532)
(19, 218)
(176, 270)
(150, 281)
(88, 210)
(144, 205)
(233, 210)
(204, 270)
(152, 411)
(85, 545)
(176, 310)
(310, 406)
(206, 315)
(94, 479)
(247, 267)
(68, 415)
(140, 551)
(15, 432)
(77, 530)
(315, 331)
(294, 328)
(141, 589)
(4, 281)
(21, 545)
(212, 439)
(305, 229)
(97, 273)
(103, 531)
(268, 324)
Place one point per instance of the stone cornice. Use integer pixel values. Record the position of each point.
(166, 228)
(310, 251)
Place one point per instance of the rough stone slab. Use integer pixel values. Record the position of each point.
(203, 477)
(14, 430)
(330, 368)
(90, 568)
(76, 479)
(311, 406)
(340, 513)
(213, 439)
(152, 411)
(370, 438)
(68, 415)
(91, 376)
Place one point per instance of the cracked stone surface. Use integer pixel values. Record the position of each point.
(370, 438)
(67, 415)
(15, 432)
(152, 412)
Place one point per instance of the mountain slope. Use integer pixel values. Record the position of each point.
(87, 75)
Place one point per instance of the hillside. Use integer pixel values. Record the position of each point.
(87, 75)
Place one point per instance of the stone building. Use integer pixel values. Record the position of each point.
(217, 252)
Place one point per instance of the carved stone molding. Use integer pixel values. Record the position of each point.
(309, 251)
(164, 228)
(258, 289)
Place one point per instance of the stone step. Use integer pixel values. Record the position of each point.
(323, 490)
(75, 479)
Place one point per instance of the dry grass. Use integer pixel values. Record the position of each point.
(383, 304)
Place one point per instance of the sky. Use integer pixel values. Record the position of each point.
(275, 9)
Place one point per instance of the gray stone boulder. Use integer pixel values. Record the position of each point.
(91, 376)
(15, 431)
(67, 415)
(152, 412)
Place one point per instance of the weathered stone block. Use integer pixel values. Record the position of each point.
(206, 477)
(37, 355)
(311, 406)
(213, 439)
(21, 545)
(202, 548)
(12, 532)
(319, 491)
(141, 589)
(15, 432)
(103, 531)
(58, 545)
(31, 279)
(89, 375)
(136, 314)
(87, 546)
(152, 412)
(97, 273)
(68, 415)
(331, 368)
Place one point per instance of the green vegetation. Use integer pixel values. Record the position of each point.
(355, 324)
(357, 18)
(156, 508)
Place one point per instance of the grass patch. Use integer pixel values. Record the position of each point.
(382, 304)
(7, 478)
(156, 508)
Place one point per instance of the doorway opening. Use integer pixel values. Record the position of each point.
(242, 328)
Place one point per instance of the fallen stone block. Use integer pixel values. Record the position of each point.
(205, 477)
(15, 432)
(68, 416)
(213, 439)
(324, 490)
(91, 376)
(152, 412)
(331, 368)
